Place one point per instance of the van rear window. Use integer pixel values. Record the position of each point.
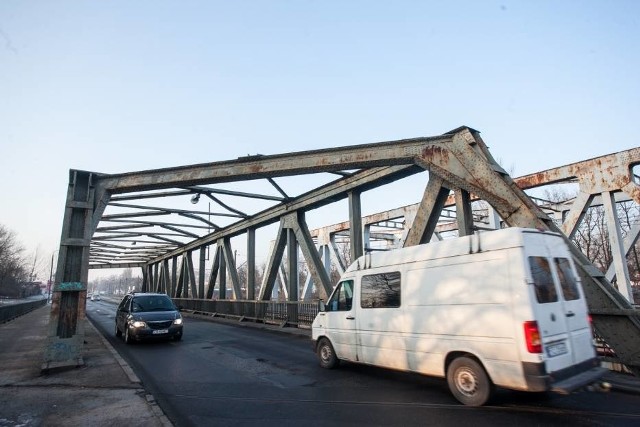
(380, 290)
(567, 279)
(543, 280)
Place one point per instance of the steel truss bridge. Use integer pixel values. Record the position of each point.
(150, 219)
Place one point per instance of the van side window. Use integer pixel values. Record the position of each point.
(567, 280)
(380, 290)
(543, 280)
(342, 298)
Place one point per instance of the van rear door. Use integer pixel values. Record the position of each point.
(559, 304)
(575, 310)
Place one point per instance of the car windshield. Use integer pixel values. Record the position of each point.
(152, 303)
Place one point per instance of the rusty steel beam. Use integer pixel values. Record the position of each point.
(337, 159)
(612, 172)
(118, 265)
(321, 196)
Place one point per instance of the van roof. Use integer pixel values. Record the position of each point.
(511, 237)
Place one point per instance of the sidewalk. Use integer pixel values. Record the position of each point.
(103, 392)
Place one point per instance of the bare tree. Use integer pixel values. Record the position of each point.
(36, 266)
(592, 238)
(344, 252)
(592, 235)
(630, 215)
(13, 269)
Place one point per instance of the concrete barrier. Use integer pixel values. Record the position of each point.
(10, 312)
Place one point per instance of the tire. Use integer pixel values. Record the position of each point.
(469, 382)
(118, 332)
(326, 354)
(177, 337)
(127, 336)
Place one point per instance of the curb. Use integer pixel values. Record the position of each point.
(151, 401)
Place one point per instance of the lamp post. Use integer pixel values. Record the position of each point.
(50, 277)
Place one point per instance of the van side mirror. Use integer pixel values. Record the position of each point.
(321, 306)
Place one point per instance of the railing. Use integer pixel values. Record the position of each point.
(10, 312)
(608, 357)
(296, 314)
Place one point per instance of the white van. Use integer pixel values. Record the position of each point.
(501, 308)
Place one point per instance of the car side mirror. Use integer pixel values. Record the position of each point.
(321, 306)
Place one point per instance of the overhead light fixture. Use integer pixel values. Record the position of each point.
(196, 198)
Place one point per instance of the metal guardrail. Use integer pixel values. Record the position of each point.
(10, 312)
(606, 353)
(296, 314)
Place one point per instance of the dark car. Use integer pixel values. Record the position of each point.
(148, 316)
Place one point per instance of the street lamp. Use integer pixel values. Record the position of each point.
(51, 277)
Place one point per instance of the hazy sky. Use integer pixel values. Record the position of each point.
(115, 86)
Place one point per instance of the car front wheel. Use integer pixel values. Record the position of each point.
(118, 332)
(127, 336)
(326, 354)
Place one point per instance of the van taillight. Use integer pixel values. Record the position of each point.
(532, 336)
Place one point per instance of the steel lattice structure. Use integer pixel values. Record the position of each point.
(139, 219)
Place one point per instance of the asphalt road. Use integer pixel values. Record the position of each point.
(223, 375)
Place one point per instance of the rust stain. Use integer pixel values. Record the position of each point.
(532, 180)
(432, 152)
(323, 161)
(256, 168)
(363, 156)
(621, 181)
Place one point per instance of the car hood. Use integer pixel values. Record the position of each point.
(156, 315)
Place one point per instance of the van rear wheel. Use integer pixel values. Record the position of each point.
(469, 382)
(326, 354)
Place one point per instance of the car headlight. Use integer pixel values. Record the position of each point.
(139, 324)
(178, 321)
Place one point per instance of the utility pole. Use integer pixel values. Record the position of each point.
(50, 283)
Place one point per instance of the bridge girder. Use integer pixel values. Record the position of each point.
(457, 162)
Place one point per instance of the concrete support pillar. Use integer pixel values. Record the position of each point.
(66, 325)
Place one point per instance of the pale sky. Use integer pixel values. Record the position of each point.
(117, 86)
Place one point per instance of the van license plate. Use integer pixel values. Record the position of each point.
(160, 331)
(556, 349)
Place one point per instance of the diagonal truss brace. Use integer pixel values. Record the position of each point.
(296, 223)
